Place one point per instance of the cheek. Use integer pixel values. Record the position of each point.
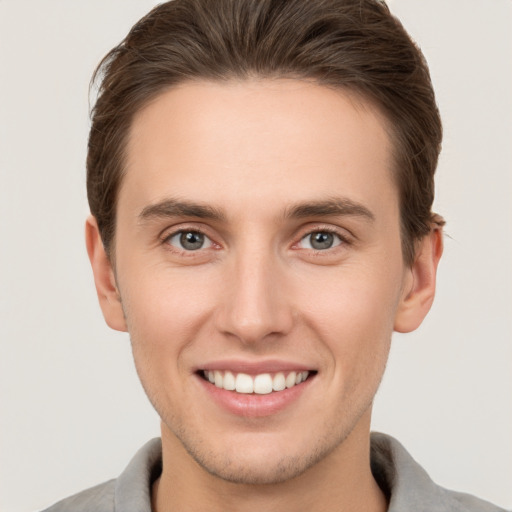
(165, 311)
(165, 315)
(359, 298)
(353, 314)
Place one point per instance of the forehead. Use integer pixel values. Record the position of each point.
(257, 140)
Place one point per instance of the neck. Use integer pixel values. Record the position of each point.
(341, 481)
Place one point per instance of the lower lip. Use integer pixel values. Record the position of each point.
(254, 405)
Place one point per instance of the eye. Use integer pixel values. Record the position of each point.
(189, 240)
(320, 240)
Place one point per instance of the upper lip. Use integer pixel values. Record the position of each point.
(254, 367)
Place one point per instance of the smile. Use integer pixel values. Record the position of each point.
(260, 384)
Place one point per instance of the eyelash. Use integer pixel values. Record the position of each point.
(168, 236)
(344, 240)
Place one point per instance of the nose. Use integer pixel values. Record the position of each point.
(255, 305)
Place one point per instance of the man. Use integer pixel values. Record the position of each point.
(260, 177)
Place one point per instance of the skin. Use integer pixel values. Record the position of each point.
(254, 153)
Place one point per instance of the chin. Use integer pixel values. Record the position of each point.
(250, 472)
(256, 461)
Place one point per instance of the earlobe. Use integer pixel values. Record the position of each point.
(104, 278)
(420, 283)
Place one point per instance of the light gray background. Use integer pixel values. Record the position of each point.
(72, 411)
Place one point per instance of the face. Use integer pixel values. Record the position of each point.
(258, 246)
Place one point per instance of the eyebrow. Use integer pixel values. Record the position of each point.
(331, 207)
(178, 208)
(334, 206)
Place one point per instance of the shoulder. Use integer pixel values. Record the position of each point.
(468, 503)
(131, 491)
(99, 498)
(409, 487)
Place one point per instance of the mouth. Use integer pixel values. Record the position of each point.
(256, 389)
(257, 384)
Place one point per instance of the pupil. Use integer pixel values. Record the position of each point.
(192, 241)
(322, 240)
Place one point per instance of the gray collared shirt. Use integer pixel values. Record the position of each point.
(406, 483)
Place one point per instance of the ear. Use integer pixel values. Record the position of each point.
(104, 278)
(420, 283)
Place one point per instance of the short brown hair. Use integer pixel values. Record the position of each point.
(356, 45)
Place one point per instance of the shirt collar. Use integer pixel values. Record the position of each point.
(402, 479)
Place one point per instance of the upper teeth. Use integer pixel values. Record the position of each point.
(261, 384)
